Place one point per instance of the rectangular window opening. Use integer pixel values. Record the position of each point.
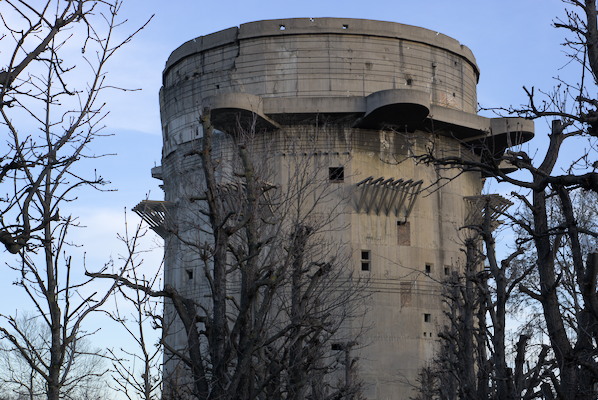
(336, 174)
(189, 273)
(427, 317)
(428, 269)
(447, 271)
(365, 260)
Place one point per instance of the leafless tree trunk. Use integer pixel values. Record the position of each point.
(63, 114)
(473, 360)
(278, 293)
(561, 241)
(86, 365)
(138, 374)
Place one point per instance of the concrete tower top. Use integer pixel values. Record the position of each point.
(360, 73)
(318, 26)
(328, 57)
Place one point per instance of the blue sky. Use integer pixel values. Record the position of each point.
(513, 42)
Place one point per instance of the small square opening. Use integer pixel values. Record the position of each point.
(428, 269)
(336, 174)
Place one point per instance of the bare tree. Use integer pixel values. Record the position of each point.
(275, 318)
(51, 109)
(87, 371)
(475, 360)
(138, 374)
(137, 371)
(561, 270)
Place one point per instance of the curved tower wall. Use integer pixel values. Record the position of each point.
(321, 58)
(364, 96)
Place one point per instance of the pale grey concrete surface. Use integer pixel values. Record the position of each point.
(364, 95)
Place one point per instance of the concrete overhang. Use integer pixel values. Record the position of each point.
(396, 108)
(504, 132)
(455, 123)
(232, 111)
(506, 167)
(314, 110)
(157, 172)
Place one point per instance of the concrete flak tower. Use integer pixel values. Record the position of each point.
(361, 99)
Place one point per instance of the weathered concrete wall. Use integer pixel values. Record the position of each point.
(325, 57)
(364, 96)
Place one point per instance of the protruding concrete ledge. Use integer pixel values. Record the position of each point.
(232, 111)
(504, 132)
(157, 215)
(157, 172)
(484, 135)
(396, 107)
(456, 123)
(510, 131)
(507, 167)
(314, 110)
(491, 205)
